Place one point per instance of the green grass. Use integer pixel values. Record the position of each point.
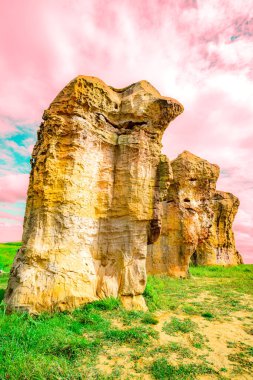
(138, 335)
(106, 304)
(69, 345)
(242, 358)
(62, 342)
(162, 370)
(7, 253)
(241, 271)
(132, 316)
(149, 319)
(53, 342)
(207, 315)
(227, 285)
(177, 325)
(179, 350)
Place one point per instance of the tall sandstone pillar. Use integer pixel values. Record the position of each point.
(219, 248)
(94, 197)
(187, 215)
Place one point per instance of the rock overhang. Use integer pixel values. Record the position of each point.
(137, 105)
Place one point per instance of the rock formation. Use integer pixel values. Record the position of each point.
(196, 221)
(187, 215)
(93, 203)
(219, 248)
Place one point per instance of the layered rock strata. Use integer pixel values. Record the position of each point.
(187, 216)
(219, 248)
(94, 197)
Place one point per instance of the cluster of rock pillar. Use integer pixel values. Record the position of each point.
(104, 206)
(196, 221)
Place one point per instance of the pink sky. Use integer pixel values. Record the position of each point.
(199, 52)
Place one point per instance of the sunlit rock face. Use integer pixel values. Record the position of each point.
(219, 248)
(93, 203)
(187, 215)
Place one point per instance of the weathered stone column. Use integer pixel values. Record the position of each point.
(219, 248)
(187, 215)
(93, 198)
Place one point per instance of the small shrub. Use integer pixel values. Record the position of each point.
(197, 340)
(172, 306)
(181, 351)
(149, 319)
(177, 325)
(207, 315)
(161, 370)
(234, 303)
(188, 309)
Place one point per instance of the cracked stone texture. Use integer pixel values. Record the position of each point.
(187, 215)
(219, 248)
(93, 202)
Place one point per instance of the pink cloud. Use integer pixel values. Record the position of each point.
(10, 233)
(6, 215)
(18, 148)
(13, 187)
(244, 241)
(30, 148)
(159, 40)
(197, 51)
(6, 157)
(6, 127)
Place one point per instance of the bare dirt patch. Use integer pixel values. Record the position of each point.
(223, 345)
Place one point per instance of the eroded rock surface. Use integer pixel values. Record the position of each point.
(187, 215)
(219, 248)
(196, 221)
(94, 197)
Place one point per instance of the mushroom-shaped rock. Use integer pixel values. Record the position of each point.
(94, 197)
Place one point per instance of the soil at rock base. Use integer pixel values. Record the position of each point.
(223, 341)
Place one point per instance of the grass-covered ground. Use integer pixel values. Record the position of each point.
(199, 328)
(7, 253)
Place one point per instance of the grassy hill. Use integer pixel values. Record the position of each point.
(201, 328)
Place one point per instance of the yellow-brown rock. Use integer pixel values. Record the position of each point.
(219, 248)
(187, 215)
(94, 196)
